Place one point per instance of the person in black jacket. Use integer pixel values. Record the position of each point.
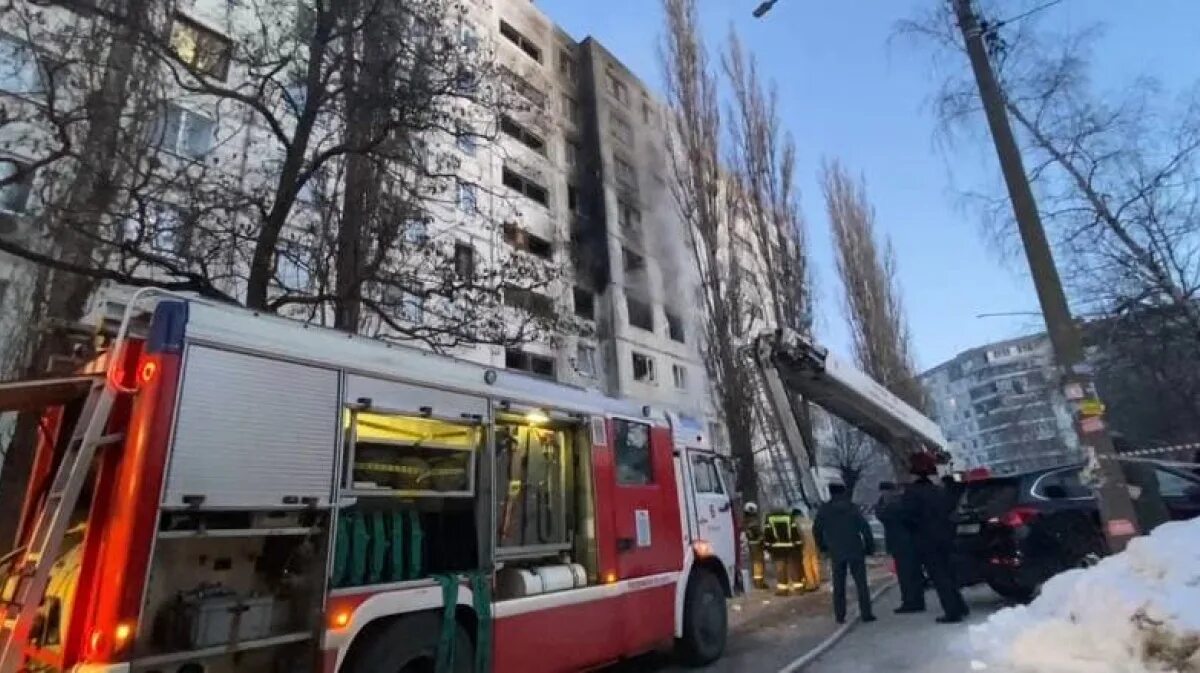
(925, 510)
(899, 544)
(842, 533)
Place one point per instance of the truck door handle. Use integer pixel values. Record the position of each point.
(726, 507)
(624, 544)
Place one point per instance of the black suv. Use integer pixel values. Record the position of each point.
(1016, 532)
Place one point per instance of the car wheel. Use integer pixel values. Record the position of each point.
(705, 620)
(1012, 591)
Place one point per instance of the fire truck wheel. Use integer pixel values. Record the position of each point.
(409, 645)
(704, 620)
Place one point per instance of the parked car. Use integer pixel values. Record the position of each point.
(1015, 532)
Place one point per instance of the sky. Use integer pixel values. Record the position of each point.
(850, 89)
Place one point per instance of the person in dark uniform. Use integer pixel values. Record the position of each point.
(842, 532)
(899, 544)
(925, 510)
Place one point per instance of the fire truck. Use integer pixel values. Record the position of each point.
(218, 490)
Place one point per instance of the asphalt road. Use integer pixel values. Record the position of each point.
(909, 643)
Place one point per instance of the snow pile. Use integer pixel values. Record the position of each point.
(1136, 612)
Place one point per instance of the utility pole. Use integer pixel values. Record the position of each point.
(1116, 508)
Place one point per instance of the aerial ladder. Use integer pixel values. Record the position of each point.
(789, 362)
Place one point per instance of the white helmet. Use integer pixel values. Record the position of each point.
(750, 508)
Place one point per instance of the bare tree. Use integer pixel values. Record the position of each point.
(851, 452)
(872, 301)
(306, 160)
(1117, 175)
(710, 205)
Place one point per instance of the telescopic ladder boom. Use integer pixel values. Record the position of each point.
(789, 362)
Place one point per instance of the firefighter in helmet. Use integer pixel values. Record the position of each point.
(754, 538)
(782, 539)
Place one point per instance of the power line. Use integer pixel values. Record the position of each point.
(1035, 10)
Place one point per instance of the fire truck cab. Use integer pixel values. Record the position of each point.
(225, 491)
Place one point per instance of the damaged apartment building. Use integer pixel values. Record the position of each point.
(575, 178)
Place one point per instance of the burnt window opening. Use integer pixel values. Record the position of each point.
(675, 328)
(566, 65)
(511, 128)
(525, 44)
(585, 303)
(527, 242)
(573, 199)
(525, 186)
(641, 314)
(534, 303)
(538, 365)
(633, 261)
(643, 367)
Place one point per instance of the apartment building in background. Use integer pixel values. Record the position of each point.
(1001, 408)
(575, 179)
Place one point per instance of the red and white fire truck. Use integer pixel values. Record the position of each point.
(224, 491)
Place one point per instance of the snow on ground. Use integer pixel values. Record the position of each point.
(1135, 612)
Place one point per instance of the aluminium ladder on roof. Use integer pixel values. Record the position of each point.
(25, 584)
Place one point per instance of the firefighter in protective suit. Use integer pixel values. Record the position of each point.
(782, 538)
(808, 555)
(754, 539)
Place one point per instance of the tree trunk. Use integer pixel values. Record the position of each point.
(92, 192)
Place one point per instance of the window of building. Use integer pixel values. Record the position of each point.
(624, 172)
(465, 139)
(519, 183)
(201, 49)
(631, 449)
(464, 260)
(19, 69)
(531, 49)
(679, 376)
(618, 89)
(633, 261)
(534, 303)
(14, 196)
(571, 110)
(571, 150)
(566, 65)
(416, 231)
(585, 304)
(524, 88)
(512, 129)
(531, 243)
(643, 367)
(675, 328)
(573, 198)
(628, 216)
(468, 199)
(291, 268)
(184, 132)
(466, 81)
(647, 112)
(585, 360)
(529, 362)
(641, 314)
(620, 128)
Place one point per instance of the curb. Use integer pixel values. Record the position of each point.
(808, 657)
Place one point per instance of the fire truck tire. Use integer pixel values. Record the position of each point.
(704, 620)
(409, 645)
